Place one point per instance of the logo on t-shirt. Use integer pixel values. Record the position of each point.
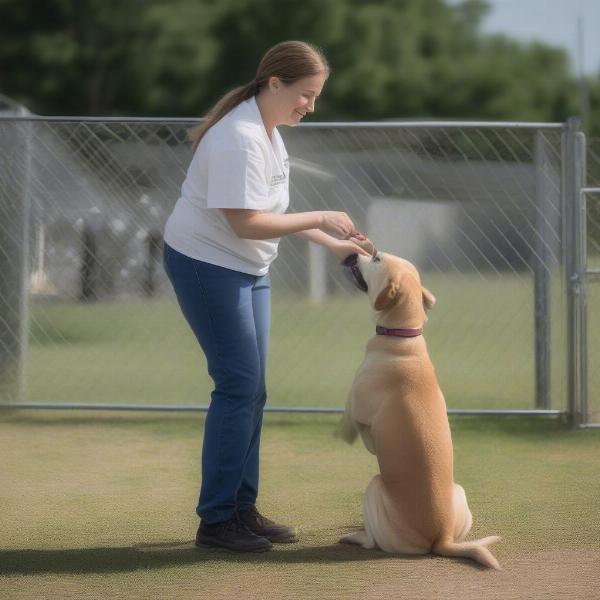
(278, 179)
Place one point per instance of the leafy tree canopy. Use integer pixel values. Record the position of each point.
(391, 59)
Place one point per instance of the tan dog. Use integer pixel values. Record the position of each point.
(413, 506)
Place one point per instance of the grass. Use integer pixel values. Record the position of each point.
(480, 336)
(101, 505)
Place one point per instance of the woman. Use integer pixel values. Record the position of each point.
(219, 242)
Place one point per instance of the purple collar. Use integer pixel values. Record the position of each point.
(406, 333)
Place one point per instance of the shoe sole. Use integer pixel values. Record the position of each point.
(212, 544)
(288, 540)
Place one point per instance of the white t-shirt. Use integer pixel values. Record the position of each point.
(236, 165)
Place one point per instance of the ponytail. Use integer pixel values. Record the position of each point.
(289, 61)
(226, 104)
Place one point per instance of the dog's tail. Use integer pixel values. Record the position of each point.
(346, 429)
(475, 549)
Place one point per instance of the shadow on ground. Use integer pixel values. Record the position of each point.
(166, 554)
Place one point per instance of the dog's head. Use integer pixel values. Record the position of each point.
(393, 285)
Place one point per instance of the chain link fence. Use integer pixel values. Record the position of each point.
(88, 316)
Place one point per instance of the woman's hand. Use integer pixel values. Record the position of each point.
(337, 224)
(364, 243)
(344, 248)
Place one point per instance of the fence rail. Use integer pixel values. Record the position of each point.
(316, 124)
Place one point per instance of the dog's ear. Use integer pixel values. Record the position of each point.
(387, 295)
(428, 299)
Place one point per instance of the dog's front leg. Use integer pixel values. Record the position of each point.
(347, 428)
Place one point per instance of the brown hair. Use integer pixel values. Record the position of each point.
(290, 61)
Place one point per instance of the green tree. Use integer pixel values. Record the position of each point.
(177, 56)
(70, 57)
(400, 59)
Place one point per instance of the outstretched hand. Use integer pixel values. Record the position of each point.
(356, 244)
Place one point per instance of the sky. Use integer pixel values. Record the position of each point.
(553, 22)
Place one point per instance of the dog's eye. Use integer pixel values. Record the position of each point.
(376, 259)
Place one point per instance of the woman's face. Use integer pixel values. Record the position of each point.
(296, 99)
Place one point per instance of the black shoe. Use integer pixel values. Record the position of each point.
(261, 526)
(233, 535)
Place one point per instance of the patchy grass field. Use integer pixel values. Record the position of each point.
(101, 505)
(480, 336)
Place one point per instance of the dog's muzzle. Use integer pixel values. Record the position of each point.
(351, 262)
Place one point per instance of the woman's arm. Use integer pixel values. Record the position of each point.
(318, 237)
(259, 225)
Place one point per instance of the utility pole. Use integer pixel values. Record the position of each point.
(584, 93)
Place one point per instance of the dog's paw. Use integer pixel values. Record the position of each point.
(360, 538)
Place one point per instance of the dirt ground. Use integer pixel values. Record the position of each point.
(101, 509)
(568, 574)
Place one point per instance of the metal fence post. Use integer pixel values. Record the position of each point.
(15, 204)
(581, 209)
(540, 263)
(25, 272)
(153, 252)
(573, 158)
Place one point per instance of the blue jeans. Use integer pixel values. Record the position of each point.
(229, 313)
